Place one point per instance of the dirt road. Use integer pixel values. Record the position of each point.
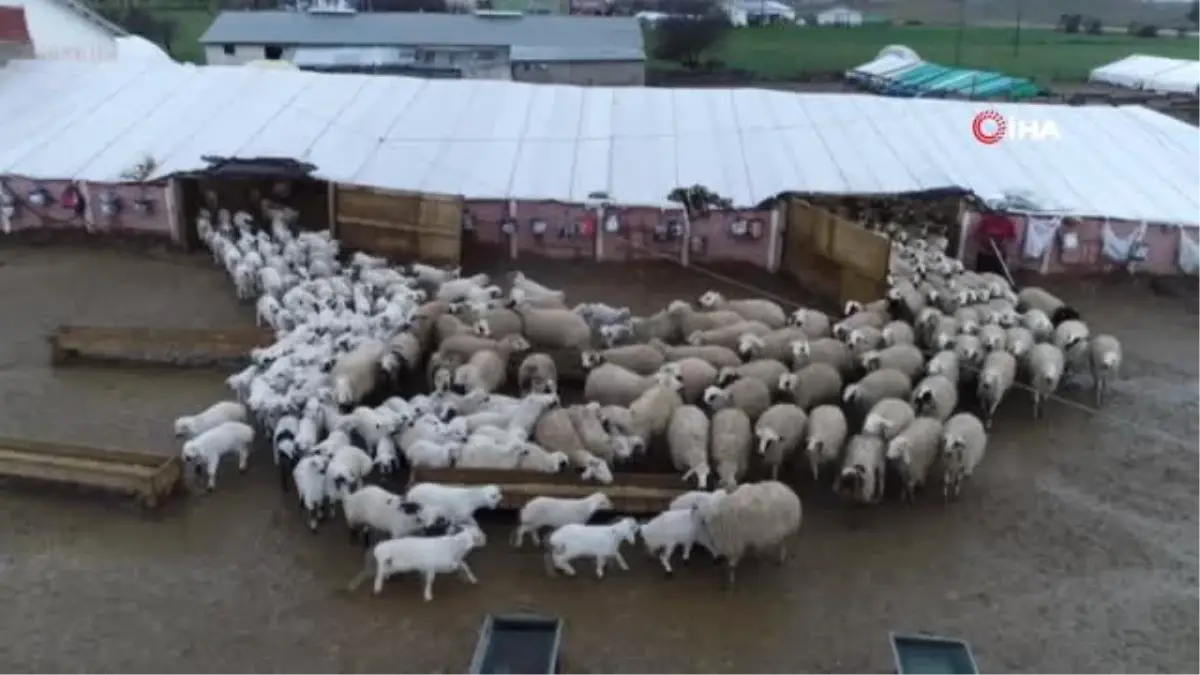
(1074, 549)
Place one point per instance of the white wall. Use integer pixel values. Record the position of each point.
(59, 33)
(840, 17)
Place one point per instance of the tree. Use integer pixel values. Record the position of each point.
(1193, 14)
(685, 39)
(1094, 27)
(143, 22)
(1070, 23)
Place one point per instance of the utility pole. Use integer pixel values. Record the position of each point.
(1017, 34)
(962, 24)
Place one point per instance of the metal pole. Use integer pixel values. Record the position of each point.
(962, 23)
(1017, 35)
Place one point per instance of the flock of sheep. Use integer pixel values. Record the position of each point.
(375, 368)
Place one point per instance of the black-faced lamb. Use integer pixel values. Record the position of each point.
(906, 358)
(190, 426)
(752, 309)
(348, 466)
(373, 509)
(642, 359)
(812, 385)
(888, 417)
(696, 375)
(1045, 364)
(824, 437)
(668, 531)
(751, 395)
(823, 350)
(964, 441)
(599, 542)
(537, 374)
(913, 452)
(203, 453)
(997, 377)
(456, 504)
(428, 555)
(766, 371)
(687, 439)
(756, 517)
(1105, 356)
(731, 443)
(553, 512)
(862, 478)
(936, 396)
(779, 432)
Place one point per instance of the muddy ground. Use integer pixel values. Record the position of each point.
(1074, 549)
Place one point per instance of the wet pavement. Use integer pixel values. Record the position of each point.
(1073, 549)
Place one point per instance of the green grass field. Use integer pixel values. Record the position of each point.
(1042, 54)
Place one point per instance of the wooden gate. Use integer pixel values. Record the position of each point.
(834, 258)
(401, 226)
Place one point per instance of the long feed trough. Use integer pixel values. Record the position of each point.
(146, 476)
(178, 347)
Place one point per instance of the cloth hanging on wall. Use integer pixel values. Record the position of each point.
(1117, 249)
(1039, 235)
(1189, 253)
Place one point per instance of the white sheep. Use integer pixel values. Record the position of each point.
(204, 452)
(309, 476)
(537, 374)
(554, 512)
(876, 386)
(731, 443)
(862, 476)
(993, 337)
(779, 431)
(752, 309)
(750, 395)
(1033, 297)
(862, 319)
(823, 350)
(487, 369)
(717, 355)
(428, 555)
(888, 417)
(1037, 322)
(455, 503)
(642, 359)
(555, 328)
(1019, 340)
(812, 385)
(667, 531)
(1046, 365)
(944, 363)
(815, 323)
(898, 333)
(695, 373)
(687, 500)
(348, 466)
(997, 377)
(824, 437)
(755, 517)
(556, 430)
(913, 451)
(356, 373)
(533, 290)
(373, 509)
(599, 542)
(687, 440)
(964, 441)
(776, 345)
(689, 320)
(906, 358)
(1071, 337)
(190, 426)
(936, 396)
(425, 453)
(766, 371)
(610, 384)
(1105, 356)
(727, 336)
(596, 440)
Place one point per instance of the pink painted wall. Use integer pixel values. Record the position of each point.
(719, 245)
(560, 242)
(1162, 257)
(54, 216)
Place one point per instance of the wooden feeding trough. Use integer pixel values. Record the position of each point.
(517, 643)
(638, 493)
(181, 347)
(932, 655)
(149, 477)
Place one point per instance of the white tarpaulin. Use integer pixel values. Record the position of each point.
(506, 140)
(1153, 73)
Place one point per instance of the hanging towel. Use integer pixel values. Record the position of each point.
(1189, 253)
(1117, 249)
(1039, 234)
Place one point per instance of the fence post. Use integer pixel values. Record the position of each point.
(685, 255)
(773, 245)
(601, 223)
(174, 216)
(331, 207)
(512, 238)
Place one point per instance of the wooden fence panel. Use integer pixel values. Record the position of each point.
(401, 226)
(834, 258)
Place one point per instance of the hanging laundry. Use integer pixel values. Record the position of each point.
(1118, 249)
(1189, 253)
(1039, 235)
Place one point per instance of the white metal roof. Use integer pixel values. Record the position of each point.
(495, 139)
(1137, 71)
(884, 65)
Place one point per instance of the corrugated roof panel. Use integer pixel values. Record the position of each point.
(491, 139)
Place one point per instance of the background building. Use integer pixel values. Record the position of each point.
(584, 50)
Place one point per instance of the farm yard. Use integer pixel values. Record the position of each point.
(1071, 549)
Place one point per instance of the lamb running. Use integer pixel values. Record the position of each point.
(190, 426)
(455, 503)
(1046, 365)
(204, 452)
(554, 512)
(599, 542)
(667, 531)
(373, 509)
(428, 555)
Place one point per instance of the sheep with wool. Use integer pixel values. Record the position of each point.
(888, 417)
(993, 337)
(430, 454)
(309, 476)
(964, 441)
(862, 319)
(596, 440)
(537, 374)
(1036, 298)
(356, 374)
(823, 350)
(815, 323)
(428, 555)
(812, 385)
(487, 369)
(766, 371)
(668, 531)
(824, 437)
(862, 478)
(756, 517)
(690, 320)
(687, 440)
(727, 336)
(457, 504)
(913, 452)
(204, 452)
(651, 412)
(731, 442)
(373, 509)
(610, 384)
(554, 328)
(716, 355)
(348, 466)
(750, 395)
(190, 426)
(696, 374)
(751, 309)
(1046, 365)
(898, 333)
(997, 377)
(906, 358)
(642, 359)
(554, 512)
(1104, 356)
(554, 429)
(599, 542)
(778, 432)
(776, 345)
(944, 363)
(691, 498)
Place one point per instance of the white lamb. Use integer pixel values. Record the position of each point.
(371, 508)
(455, 503)
(692, 498)
(190, 426)
(204, 452)
(667, 531)
(309, 476)
(554, 512)
(428, 555)
(348, 466)
(599, 542)
(426, 453)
